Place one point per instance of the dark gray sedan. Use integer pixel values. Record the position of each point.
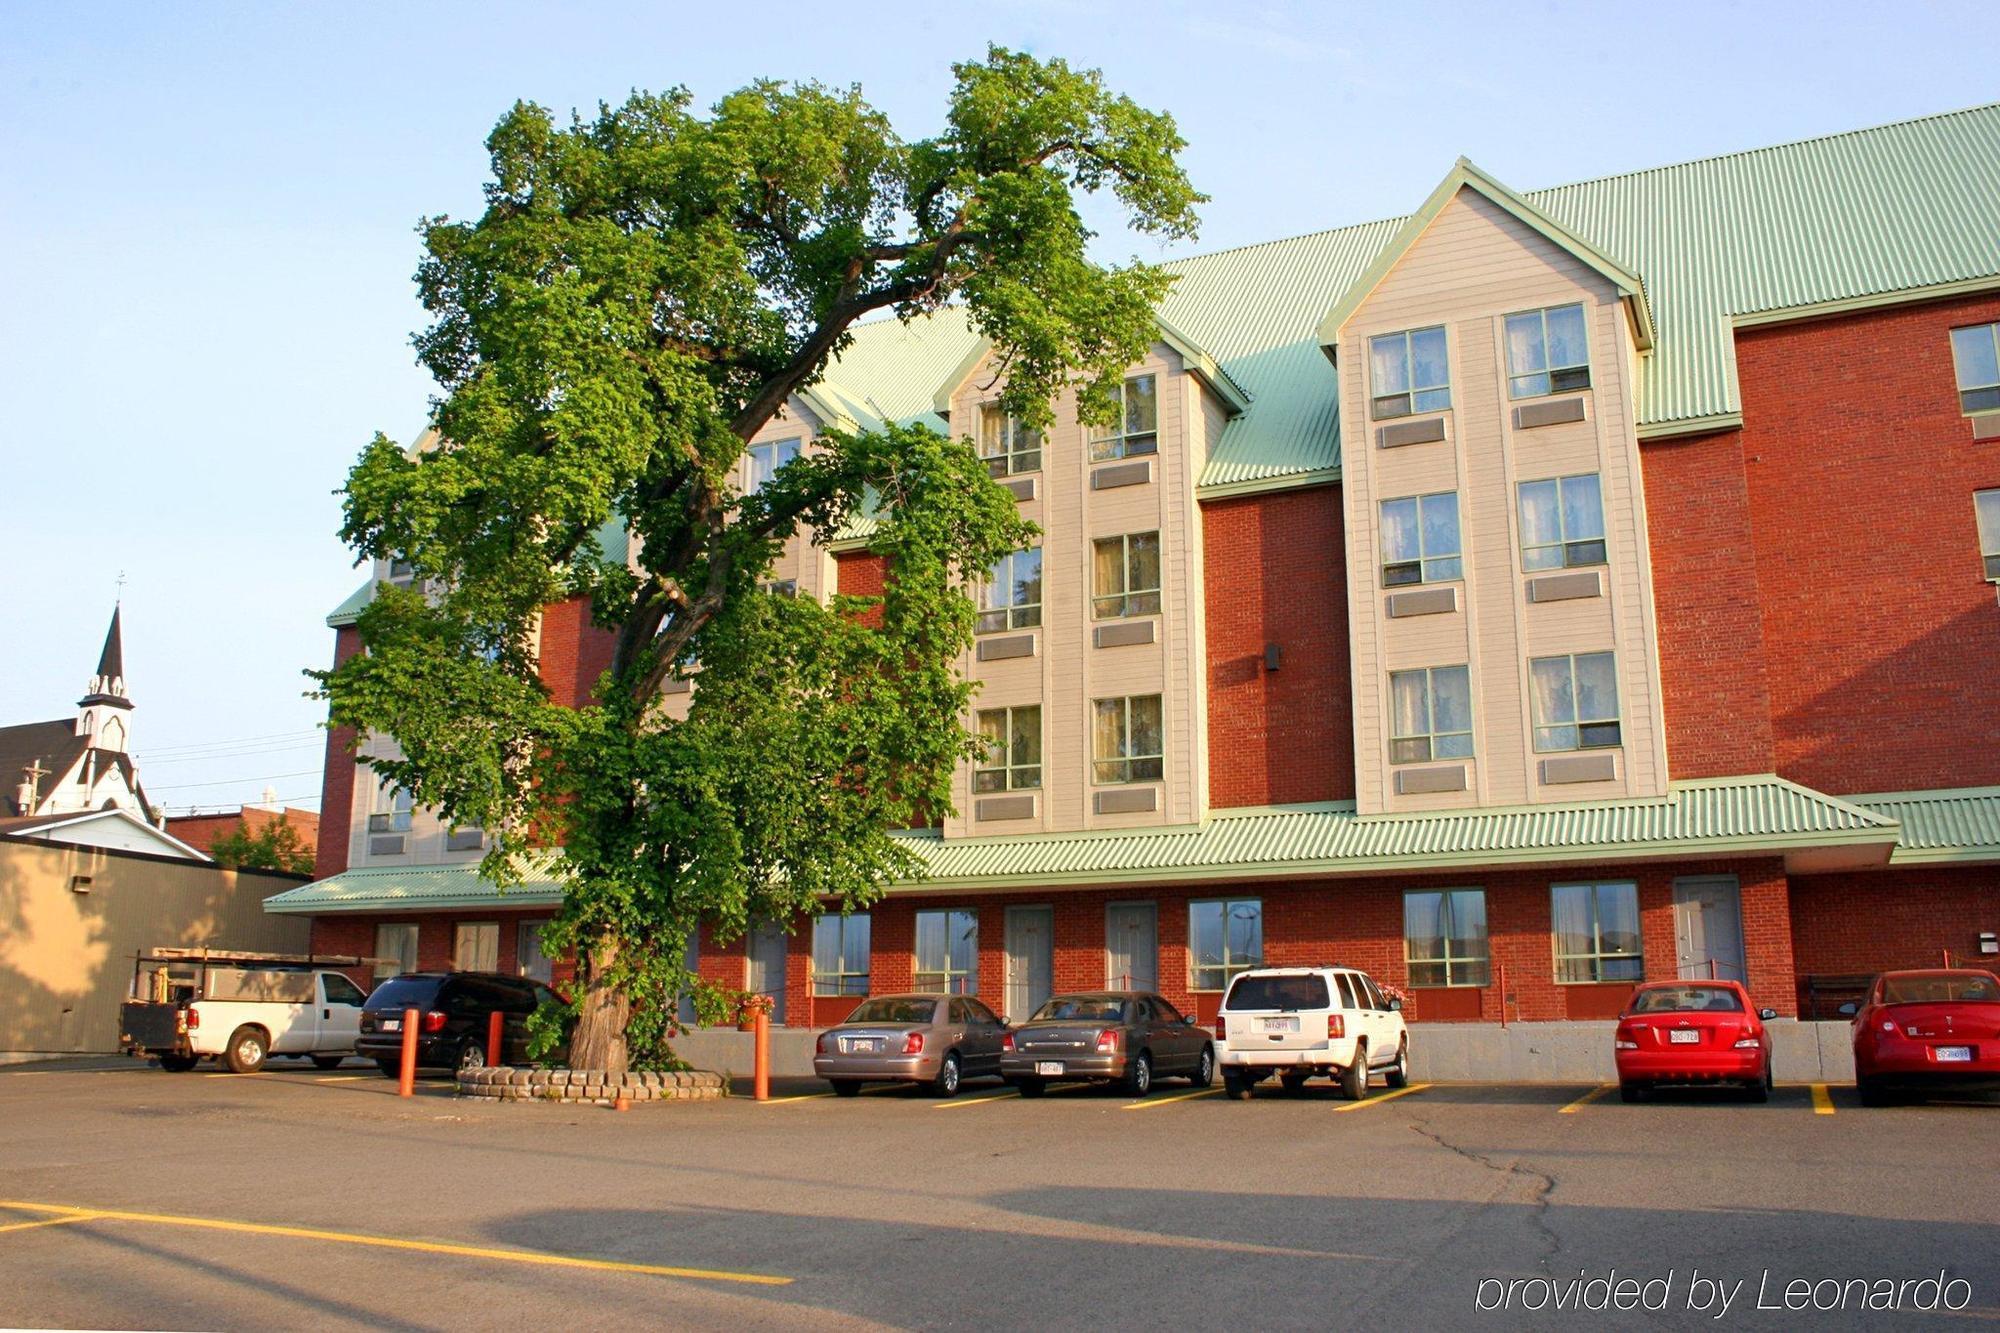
(1126, 1037)
(929, 1039)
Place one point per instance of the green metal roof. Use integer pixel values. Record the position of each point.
(1707, 817)
(349, 611)
(613, 539)
(1947, 824)
(1830, 222)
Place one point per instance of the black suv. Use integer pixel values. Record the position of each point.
(453, 1013)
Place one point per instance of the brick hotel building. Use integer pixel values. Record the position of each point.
(1517, 599)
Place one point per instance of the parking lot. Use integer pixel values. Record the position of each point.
(130, 1197)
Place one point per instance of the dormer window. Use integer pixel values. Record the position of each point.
(762, 461)
(1975, 355)
(1137, 430)
(1007, 446)
(1409, 373)
(1548, 351)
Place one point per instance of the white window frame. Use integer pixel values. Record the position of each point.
(777, 452)
(847, 952)
(1008, 447)
(1125, 601)
(1577, 721)
(998, 613)
(1410, 395)
(1576, 377)
(390, 808)
(1012, 774)
(1431, 566)
(398, 929)
(1977, 397)
(1986, 519)
(1231, 964)
(1127, 762)
(1124, 442)
(1461, 970)
(953, 981)
(1598, 955)
(458, 940)
(1573, 549)
(1430, 736)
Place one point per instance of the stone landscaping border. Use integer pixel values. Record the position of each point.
(588, 1087)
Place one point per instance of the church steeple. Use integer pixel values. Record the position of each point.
(107, 687)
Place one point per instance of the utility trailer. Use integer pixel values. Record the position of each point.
(241, 1008)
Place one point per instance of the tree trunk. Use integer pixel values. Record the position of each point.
(599, 1039)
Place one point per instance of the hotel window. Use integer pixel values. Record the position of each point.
(401, 572)
(1137, 430)
(1576, 701)
(1430, 714)
(1562, 523)
(1444, 937)
(1597, 932)
(529, 960)
(1408, 373)
(948, 952)
(1986, 512)
(1548, 351)
(1420, 541)
(1975, 355)
(762, 461)
(1007, 445)
(475, 946)
(1013, 739)
(1225, 936)
(1125, 576)
(390, 812)
(1011, 596)
(840, 955)
(1127, 741)
(396, 947)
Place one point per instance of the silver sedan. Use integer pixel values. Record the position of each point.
(930, 1039)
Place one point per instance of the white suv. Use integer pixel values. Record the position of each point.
(1296, 1022)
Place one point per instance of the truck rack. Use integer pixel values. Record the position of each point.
(241, 957)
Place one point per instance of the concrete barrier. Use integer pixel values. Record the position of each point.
(732, 1053)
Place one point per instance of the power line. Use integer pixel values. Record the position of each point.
(224, 782)
(194, 746)
(152, 757)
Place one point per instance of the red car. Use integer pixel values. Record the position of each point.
(1929, 1029)
(1693, 1034)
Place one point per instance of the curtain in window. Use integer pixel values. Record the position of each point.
(1451, 712)
(1575, 940)
(1568, 345)
(1423, 930)
(1142, 408)
(1618, 931)
(1399, 531)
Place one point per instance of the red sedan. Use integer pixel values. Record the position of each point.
(1924, 1030)
(1693, 1034)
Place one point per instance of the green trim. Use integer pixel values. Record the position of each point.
(1290, 481)
(830, 413)
(1666, 430)
(350, 610)
(1464, 175)
(1870, 301)
(1191, 353)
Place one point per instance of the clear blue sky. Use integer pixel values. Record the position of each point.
(206, 237)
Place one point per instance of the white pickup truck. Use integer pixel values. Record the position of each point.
(240, 1008)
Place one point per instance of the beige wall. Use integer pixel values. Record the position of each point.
(1473, 266)
(66, 957)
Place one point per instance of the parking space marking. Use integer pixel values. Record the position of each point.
(345, 1078)
(1385, 1097)
(1822, 1100)
(975, 1101)
(48, 1222)
(1586, 1099)
(798, 1097)
(540, 1257)
(1177, 1097)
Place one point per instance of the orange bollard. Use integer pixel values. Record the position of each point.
(408, 1086)
(494, 1024)
(761, 1079)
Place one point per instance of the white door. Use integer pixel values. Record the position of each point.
(1031, 959)
(766, 952)
(339, 1013)
(1708, 928)
(1132, 947)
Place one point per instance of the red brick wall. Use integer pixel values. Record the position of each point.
(1277, 573)
(336, 805)
(1705, 593)
(435, 936)
(1889, 919)
(574, 651)
(861, 574)
(1881, 635)
(201, 831)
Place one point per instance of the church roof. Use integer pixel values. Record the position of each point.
(111, 662)
(55, 743)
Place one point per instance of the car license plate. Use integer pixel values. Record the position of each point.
(1287, 1024)
(392, 1025)
(1046, 1067)
(1954, 1054)
(1685, 1037)
(862, 1046)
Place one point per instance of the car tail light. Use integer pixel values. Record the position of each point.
(1626, 1040)
(191, 1019)
(913, 1044)
(1107, 1040)
(1336, 1026)
(434, 1021)
(1747, 1043)
(1222, 1029)
(1006, 1041)
(819, 1047)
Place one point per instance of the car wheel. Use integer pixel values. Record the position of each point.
(946, 1082)
(327, 1061)
(1354, 1078)
(1398, 1075)
(246, 1051)
(1631, 1092)
(389, 1068)
(1291, 1083)
(846, 1087)
(1236, 1087)
(1031, 1087)
(471, 1056)
(1204, 1069)
(1138, 1079)
(179, 1063)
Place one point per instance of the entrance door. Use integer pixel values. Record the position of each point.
(1132, 946)
(766, 952)
(1708, 928)
(1031, 959)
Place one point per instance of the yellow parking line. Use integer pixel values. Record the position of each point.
(1586, 1099)
(1385, 1097)
(48, 1222)
(396, 1243)
(1177, 1097)
(799, 1097)
(976, 1101)
(1822, 1100)
(226, 1074)
(346, 1078)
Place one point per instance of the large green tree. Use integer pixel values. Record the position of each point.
(642, 293)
